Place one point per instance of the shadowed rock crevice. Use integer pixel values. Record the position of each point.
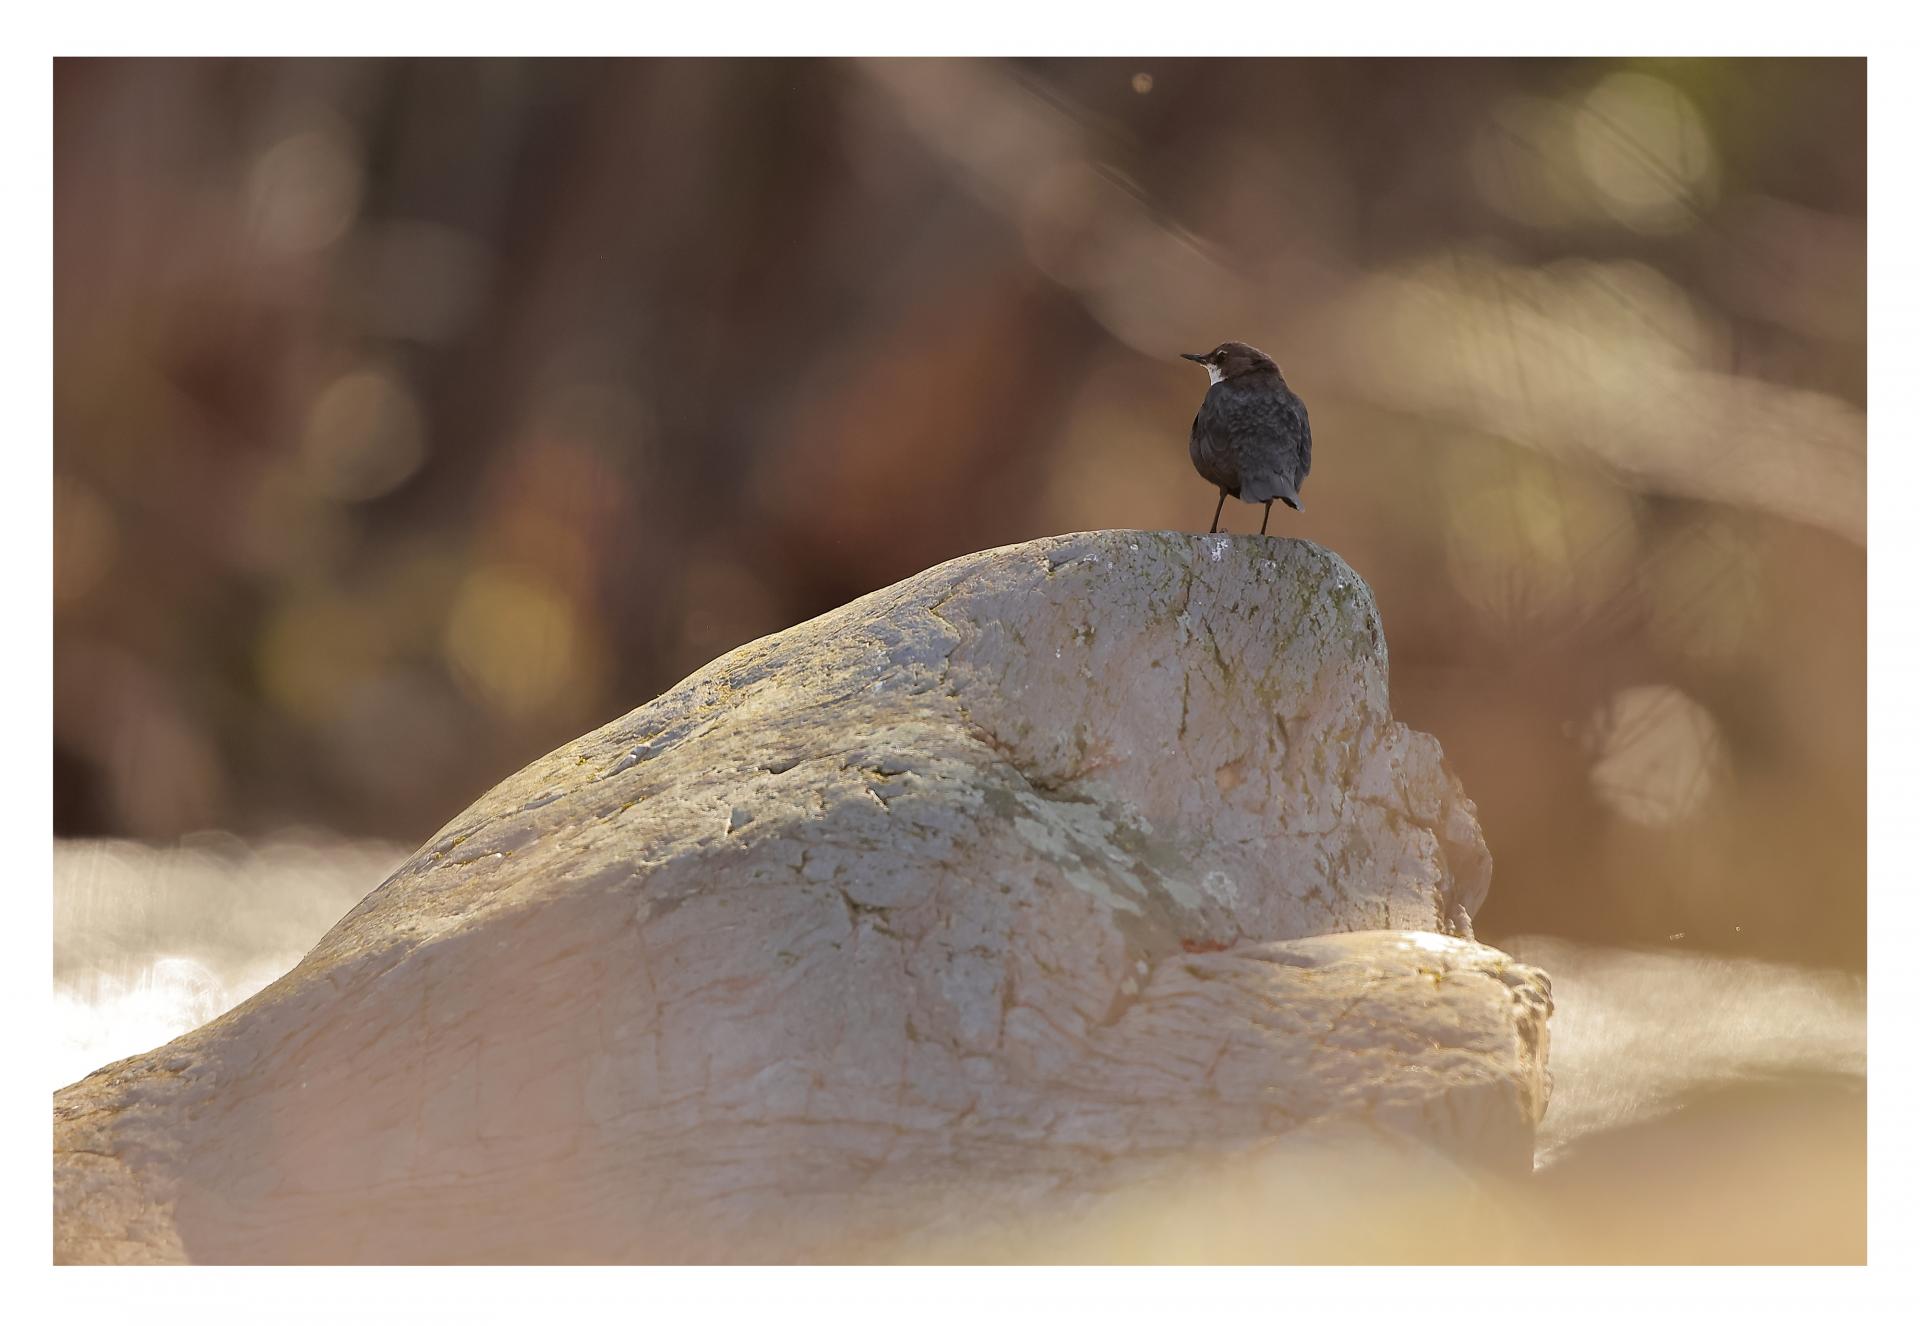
(1027, 879)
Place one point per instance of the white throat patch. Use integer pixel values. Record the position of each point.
(1213, 374)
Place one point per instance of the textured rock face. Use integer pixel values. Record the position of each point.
(1024, 880)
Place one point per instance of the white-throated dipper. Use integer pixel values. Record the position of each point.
(1250, 438)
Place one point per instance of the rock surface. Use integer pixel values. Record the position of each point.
(1028, 879)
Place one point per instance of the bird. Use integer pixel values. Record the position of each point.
(1250, 438)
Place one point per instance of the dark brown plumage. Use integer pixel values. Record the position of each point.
(1250, 439)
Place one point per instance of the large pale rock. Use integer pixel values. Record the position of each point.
(1024, 881)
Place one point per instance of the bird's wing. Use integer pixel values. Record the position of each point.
(1258, 425)
(1208, 422)
(1210, 445)
(1270, 442)
(1305, 434)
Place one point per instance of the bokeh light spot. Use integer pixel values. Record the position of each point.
(315, 647)
(304, 191)
(1656, 754)
(364, 436)
(1647, 152)
(512, 640)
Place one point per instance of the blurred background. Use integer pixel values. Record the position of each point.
(413, 417)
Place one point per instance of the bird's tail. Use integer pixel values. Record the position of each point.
(1270, 487)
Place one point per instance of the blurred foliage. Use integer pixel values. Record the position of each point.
(414, 416)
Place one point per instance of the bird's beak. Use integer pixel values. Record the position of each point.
(1198, 359)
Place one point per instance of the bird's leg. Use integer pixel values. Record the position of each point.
(1266, 516)
(1215, 527)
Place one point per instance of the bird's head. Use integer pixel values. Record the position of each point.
(1232, 358)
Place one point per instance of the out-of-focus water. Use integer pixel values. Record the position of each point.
(1704, 1108)
(1636, 1035)
(151, 942)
